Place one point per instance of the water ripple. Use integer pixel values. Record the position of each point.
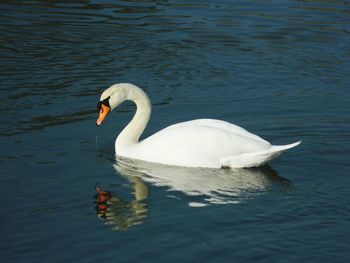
(278, 68)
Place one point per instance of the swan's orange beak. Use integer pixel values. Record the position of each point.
(104, 110)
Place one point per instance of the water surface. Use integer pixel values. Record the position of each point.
(277, 68)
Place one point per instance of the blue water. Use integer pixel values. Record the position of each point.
(280, 69)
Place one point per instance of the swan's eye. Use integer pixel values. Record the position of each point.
(104, 102)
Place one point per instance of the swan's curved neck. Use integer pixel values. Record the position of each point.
(132, 132)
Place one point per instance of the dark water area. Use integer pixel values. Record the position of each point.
(280, 69)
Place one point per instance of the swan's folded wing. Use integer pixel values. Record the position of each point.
(218, 124)
(196, 145)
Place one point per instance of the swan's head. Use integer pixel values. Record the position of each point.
(104, 108)
(111, 98)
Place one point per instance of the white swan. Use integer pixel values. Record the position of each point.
(199, 143)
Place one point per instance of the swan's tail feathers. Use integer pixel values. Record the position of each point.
(247, 160)
(282, 148)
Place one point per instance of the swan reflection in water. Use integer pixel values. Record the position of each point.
(119, 213)
(213, 186)
(206, 186)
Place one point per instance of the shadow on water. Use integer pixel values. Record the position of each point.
(202, 186)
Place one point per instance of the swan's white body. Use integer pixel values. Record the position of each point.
(199, 143)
